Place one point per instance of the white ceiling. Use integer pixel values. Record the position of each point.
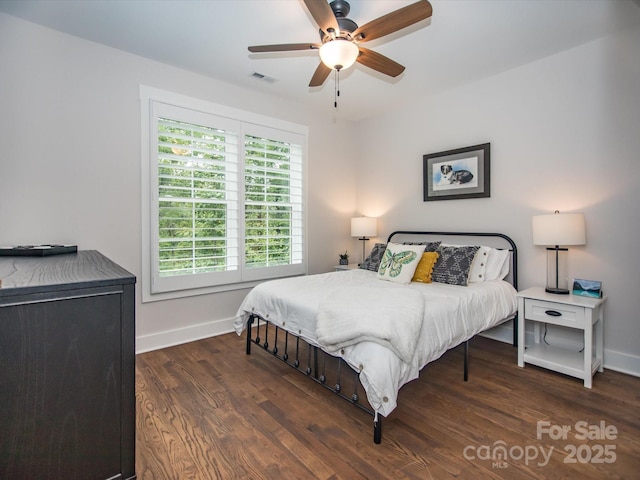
(464, 40)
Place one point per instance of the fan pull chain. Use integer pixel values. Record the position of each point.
(336, 88)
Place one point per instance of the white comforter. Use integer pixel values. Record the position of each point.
(390, 317)
(450, 315)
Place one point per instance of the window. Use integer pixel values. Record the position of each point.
(273, 202)
(226, 191)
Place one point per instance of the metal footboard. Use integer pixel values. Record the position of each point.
(331, 372)
(312, 361)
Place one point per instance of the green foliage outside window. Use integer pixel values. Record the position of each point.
(192, 191)
(194, 182)
(268, 211)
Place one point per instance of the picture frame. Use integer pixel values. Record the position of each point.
(457, 174)
(586, 288)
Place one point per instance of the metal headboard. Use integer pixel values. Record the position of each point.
(513, 273)
(512, 245)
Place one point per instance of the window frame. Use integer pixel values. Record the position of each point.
(248, 124)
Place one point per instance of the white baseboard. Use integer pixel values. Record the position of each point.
(622, 362)
(169, 338)
(617, 361)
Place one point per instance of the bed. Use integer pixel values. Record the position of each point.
(364, 334)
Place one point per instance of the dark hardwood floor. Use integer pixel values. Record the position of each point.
(205, 410)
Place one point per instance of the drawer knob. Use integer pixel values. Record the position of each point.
(553, 313)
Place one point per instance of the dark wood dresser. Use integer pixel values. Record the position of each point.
(67, 368)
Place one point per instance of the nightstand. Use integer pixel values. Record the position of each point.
(351, 266)
(573, 311)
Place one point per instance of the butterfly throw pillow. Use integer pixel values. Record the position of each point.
(399, 262)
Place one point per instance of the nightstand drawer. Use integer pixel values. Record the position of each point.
(556, 313)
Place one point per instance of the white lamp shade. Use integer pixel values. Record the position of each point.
(364, 227)
(559, 229)
(339, 54)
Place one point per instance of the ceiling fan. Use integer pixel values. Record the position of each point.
(341, 37)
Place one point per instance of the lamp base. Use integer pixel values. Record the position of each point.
(364, 240)
(557, 291)
(557, 278)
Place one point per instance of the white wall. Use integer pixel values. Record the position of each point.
(70, 162)
(565, 134)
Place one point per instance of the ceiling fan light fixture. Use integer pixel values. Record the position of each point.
(339, 54)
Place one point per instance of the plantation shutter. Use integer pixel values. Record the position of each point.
(273, 203)
(226, 200)
(197, 238)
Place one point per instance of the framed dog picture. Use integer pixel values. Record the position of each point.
(456, 174)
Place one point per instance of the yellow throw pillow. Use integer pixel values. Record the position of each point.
(425, 267)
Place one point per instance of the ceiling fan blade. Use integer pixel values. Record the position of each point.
(322, 14)
(285, 47)
(320, 75)
(379, 62)
(394, 21)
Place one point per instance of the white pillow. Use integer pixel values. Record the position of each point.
(497, 265)
(478, 270)
(399, 262)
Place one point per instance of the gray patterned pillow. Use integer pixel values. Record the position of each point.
(428, 246)
(372, 262)
(453, 265)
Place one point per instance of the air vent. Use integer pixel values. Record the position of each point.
(263, 77)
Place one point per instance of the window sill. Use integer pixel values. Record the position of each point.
(148, 297)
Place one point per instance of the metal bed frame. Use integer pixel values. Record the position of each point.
(305, 357)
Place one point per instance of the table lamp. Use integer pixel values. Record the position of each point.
(556, 230)
(364, 227)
